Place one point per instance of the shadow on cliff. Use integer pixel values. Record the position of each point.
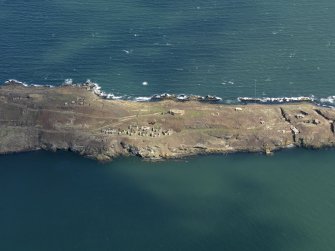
(63, 202)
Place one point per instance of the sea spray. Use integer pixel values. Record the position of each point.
(97, 90)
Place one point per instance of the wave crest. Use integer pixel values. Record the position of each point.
(97, 90)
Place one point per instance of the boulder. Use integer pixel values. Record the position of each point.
(176, 112)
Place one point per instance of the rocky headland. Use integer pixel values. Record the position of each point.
(73, 117)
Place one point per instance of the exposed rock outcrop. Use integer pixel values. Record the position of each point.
(74, 118)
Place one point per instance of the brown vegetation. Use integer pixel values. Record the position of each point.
(73, 118)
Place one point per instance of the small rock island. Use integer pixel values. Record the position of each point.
(75, 118)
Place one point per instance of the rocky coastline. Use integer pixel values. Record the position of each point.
(83, 119)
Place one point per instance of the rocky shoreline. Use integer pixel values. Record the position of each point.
(80, 118)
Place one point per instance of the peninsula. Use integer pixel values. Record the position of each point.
(73, 117)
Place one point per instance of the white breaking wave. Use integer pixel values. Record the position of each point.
(112, 96)
(329, 100)
(97, 90)
(14, 81)
(277, 100)
(143, 99)
(68, 81)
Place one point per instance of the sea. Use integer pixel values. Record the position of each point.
(138, 48)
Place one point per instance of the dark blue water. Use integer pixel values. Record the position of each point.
(229, 48)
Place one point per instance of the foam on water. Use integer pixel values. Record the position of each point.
(329, 100)
(14, 81)
(277, 100)
(97, 90)
(143, 99)
(68, 81)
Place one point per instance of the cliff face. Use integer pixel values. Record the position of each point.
(74, 118)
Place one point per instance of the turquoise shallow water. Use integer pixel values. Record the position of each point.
(229, 48)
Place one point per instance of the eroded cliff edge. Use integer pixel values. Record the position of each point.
(74, 118)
